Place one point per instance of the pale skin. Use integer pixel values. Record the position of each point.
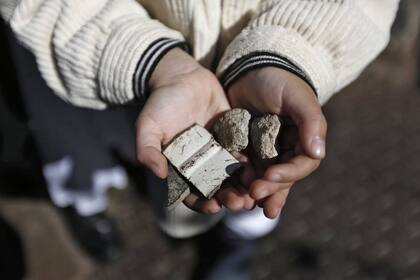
(184, 93)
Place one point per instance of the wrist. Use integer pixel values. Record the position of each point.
(175, 63)
(256, 61)
(149, 61)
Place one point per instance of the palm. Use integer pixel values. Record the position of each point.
(265, 91)
(175, 107)
(276, 91)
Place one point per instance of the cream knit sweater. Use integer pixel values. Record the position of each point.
(98, 52)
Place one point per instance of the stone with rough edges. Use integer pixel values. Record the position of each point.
(232, 129)
(264, 133)
(178, 188)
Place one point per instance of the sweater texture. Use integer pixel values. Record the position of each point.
(96, 53)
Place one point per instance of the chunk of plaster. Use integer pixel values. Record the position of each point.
(232, 129)
(178, 189)
(201, 160)
(264, 133)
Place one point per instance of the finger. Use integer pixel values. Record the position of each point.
(249, 202)
(231, 198)
(292, 170)
(272, 205)
(148, 146)
(262, 189)
(306, 112)
(200, 204)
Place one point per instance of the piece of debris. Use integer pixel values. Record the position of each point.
(201, 160)
(232, 130)
(178, 189)
(264, 133)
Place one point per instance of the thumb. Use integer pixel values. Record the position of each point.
(148, 146)
(306, 112)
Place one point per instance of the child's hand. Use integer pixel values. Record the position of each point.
(273, 90)
(182, 93)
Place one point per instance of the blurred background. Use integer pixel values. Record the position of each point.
(357, 217)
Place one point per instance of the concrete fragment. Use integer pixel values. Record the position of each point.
(232, 129)
(264, 133)
(178, 189)
(201, 160)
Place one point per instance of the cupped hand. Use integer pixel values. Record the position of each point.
(276, 91)
(183, 93)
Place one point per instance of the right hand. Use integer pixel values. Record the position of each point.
(182, 93)
(277, 91)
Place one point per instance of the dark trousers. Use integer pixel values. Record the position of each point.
(90, 140)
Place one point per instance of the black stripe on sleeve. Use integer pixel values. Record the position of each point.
(149, 61)
(257, 60)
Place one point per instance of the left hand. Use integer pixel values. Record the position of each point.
(276, 91)
(182, 93)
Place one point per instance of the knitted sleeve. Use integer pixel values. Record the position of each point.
(91, 53)
(326, 42)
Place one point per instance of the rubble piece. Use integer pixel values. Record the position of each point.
(232, 129)
(201, 160)
(264, 132)
(178, 189)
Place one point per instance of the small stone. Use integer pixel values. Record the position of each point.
(201, 160)
(264, 133)
(232, 129)
(178, 188)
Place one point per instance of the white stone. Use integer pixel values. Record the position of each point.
(201, 160)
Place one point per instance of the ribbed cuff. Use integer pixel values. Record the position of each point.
(257, 60)
(126, 45)
(148, 62)
(288, 47)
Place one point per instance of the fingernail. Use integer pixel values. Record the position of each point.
(276, 177)
(318, 147)
(263, 193)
